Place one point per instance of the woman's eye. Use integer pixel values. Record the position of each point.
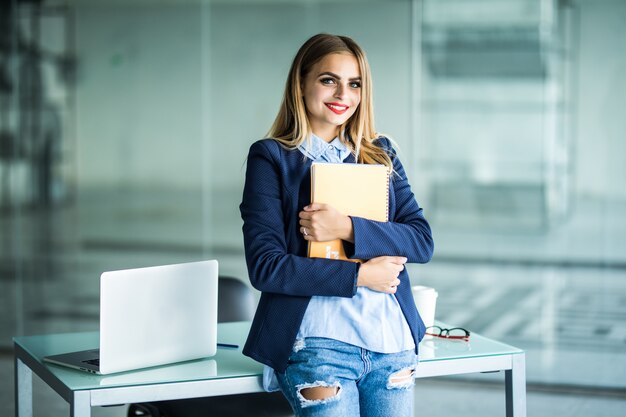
(355, 84)
(327, 81)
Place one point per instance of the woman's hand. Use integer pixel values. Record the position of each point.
(321, 222)
(381, 274)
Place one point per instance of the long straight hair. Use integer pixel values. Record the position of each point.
(291, 126)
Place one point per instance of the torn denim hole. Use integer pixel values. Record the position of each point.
(402, 379)
(305, 402)
(298, 345)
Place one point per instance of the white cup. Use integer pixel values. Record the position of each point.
(425, 301)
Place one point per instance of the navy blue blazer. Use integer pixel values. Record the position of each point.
(277, 187)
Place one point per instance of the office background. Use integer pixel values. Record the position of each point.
(124, 128)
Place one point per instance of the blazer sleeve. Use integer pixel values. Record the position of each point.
(272, 267)
(406, 234)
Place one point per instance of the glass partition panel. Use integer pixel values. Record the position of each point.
(110, 168)
(125, 127)
(523, 178)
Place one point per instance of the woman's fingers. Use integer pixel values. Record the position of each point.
(381, 274)
(322, 223)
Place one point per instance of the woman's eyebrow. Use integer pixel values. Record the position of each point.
(332, 74)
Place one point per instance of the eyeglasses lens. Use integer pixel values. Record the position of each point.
(453, 333)
(457, 333)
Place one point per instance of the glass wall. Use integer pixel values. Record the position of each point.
(125, 126)
(525, 185)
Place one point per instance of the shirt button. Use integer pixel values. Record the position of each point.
(331, 147)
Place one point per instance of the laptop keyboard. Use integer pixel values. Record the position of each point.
(95, 362)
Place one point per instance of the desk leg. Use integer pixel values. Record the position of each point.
(515, 380)
(23, 389)
(80, 406)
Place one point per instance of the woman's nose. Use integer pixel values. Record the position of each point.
(339, 91)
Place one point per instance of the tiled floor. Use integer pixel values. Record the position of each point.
(560, 293)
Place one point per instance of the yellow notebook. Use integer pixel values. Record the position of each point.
(360, 190)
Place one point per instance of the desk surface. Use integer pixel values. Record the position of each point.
(227, 363)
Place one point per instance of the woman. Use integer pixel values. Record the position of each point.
(340, 337)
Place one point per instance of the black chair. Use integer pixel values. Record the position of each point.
(235, 303)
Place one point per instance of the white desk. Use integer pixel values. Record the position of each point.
(229, 372)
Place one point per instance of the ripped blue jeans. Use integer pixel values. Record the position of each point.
(362, 382)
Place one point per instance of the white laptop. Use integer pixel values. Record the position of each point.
(152, 316)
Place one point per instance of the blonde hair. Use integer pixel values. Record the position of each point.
(291, 126)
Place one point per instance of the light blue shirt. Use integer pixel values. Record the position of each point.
(371, 320)
(320, 151)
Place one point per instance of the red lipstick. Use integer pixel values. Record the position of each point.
(337, 108)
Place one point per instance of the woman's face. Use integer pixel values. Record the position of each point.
(332, 93)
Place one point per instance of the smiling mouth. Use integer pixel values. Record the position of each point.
(337, 108)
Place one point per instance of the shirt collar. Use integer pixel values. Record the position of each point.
(319, 150)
